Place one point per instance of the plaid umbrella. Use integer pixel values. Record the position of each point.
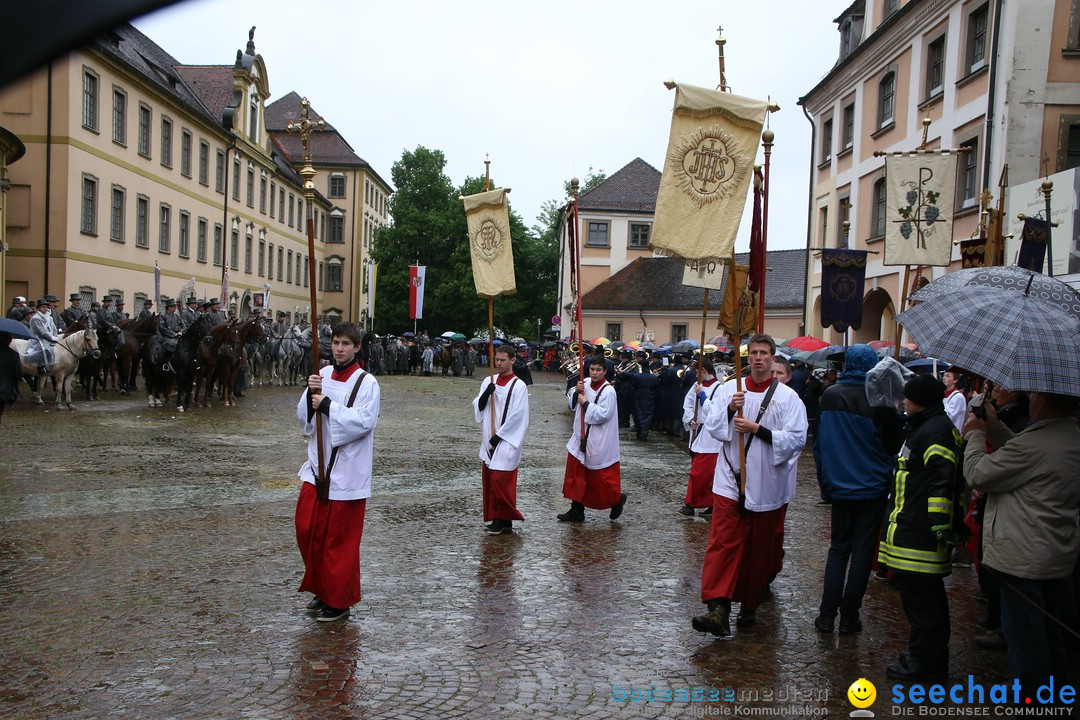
(1012, 278)
(1015, 339)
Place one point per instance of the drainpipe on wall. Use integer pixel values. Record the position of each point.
(809, 225)
(990, 95)
(48, 174)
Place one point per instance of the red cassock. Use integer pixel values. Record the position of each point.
(328, 535)
(741, 555)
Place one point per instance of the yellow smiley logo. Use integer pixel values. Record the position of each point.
(862, 693)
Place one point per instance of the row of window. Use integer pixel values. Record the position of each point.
(294, 217)
(933, 86)
(600, 230)
(374, 197)
(291, 267)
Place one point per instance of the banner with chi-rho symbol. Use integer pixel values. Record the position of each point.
(919, 209)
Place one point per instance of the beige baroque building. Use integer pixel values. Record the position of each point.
(135, 160)
(11, 149)
(627, 294)
(1000, 78)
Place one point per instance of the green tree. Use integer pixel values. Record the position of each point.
(424, 211)
(429, 225)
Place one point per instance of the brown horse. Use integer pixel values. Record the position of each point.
(137, 334)
(230, 361)
(224, 339)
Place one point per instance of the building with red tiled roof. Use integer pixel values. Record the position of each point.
(628, 294)
(135, 161)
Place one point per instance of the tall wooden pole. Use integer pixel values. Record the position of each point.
(575, 237)
(491, 309)
(305, 127)
(735, 340)
(767, 138)
(1047, 188)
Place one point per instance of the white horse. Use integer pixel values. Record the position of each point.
(286, 362)
(68, 352)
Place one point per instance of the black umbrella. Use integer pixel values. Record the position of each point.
(15, 329)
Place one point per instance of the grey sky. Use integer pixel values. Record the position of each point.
(547, 89)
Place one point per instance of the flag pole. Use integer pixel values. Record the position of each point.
(733, 287)
(491, 310)
(573, 237)
(767, 138)
(305, 127)
(999, 229)
(701, 348)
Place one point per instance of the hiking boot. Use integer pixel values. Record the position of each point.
(850, 625)
(329, 614)
(576, 513)
(686, 511)
(746, 619)
(616, 511)
(716, 620)
(824, 623)
(315, 605)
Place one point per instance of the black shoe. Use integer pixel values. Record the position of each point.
(329, 614)
(707, 512)
(498, 527)
(911, 669)
(850, 625)
(315, 605)
(824, 623)
(716, 620)
(746, 619)
(617, 510)
(991, 640)
(686, 511)
(576, 513)
(643, 436)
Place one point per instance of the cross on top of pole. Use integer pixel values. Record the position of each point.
(305, 127)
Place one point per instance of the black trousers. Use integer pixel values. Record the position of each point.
(855, 526)
(927, 609)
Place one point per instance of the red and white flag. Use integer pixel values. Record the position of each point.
(417, 274)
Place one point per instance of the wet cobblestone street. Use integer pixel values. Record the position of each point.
(150, 571)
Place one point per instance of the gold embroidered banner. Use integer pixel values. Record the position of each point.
(738, 313)
(710, 158)
(489, 243)
(919, 209)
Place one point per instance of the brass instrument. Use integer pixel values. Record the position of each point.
(608, 352)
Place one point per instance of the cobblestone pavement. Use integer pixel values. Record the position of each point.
(150, 571)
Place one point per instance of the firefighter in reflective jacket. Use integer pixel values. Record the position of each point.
(919, 517)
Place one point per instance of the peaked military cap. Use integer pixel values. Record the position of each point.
(75, 296)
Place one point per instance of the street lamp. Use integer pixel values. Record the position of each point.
(538, 321)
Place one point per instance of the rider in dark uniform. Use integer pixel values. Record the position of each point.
(75, 312)
(170, 328)
(58, 320)
(215, 316)
(189, 314)
(147, 309)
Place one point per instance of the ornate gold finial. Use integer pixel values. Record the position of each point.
(925, 131)
(305, 127)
